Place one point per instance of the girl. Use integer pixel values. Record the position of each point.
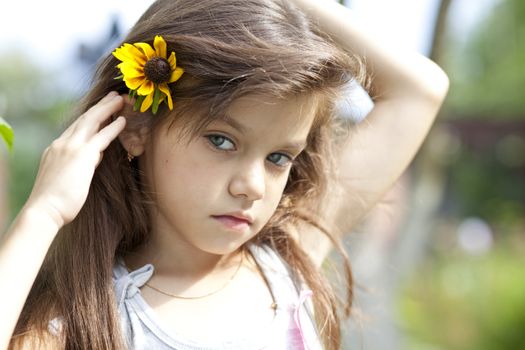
(197, 213)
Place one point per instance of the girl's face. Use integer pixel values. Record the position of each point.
(217, 191)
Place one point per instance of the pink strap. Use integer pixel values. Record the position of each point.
(303, 296)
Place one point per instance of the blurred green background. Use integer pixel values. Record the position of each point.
(450, 257)
(469, 290)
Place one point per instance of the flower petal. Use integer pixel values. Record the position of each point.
(146, 103)
(134, 83)
(172, 61)
(164, 88)
(146, 88)
(129, 52)
(131, 64)
(146, 48)
(131, 71)
(160, 46)
(120, 54)
(175, 75)
(135, 54)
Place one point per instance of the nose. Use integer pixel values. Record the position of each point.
(249, 181)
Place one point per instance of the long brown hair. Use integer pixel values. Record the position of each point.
(228, 49)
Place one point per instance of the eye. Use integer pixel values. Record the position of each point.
(221, 142)
(279, 159)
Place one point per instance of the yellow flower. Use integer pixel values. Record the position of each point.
(147, 72)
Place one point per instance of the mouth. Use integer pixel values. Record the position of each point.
(234, 222)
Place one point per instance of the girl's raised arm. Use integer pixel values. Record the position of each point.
(59, 192)
(407, 89)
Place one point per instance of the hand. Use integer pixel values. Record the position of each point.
(68, 164)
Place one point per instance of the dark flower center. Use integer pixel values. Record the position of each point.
(157, 70)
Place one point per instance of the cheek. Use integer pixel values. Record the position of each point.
(275, 192)
(186, 174)
(195, 174)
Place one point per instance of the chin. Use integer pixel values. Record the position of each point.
(223, 247)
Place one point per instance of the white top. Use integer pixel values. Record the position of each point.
(293, 326)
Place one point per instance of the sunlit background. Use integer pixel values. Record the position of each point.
(440, 264)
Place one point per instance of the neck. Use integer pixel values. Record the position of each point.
(174, 257)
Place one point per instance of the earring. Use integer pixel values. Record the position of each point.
(130, 156)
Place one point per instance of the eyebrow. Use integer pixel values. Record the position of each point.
(296, 146)
(235, 124)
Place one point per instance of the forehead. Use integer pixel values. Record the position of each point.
(258, 112)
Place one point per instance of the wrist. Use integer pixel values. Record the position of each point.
(46, 219)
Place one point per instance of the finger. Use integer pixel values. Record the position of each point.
(105, 136)
(109, 95)
(99, 159)
(70, 130)
(101, 111)
(96, 118)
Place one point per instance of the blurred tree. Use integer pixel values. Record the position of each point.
(38, 102)
(488, 70)
(475, 158)
(486, 113)
(35, 107)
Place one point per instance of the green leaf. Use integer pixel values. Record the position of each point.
(7, 134)
(138, 102)
(156, 98)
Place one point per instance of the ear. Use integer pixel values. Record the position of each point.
(135, 135)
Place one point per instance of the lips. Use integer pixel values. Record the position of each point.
(239, 216)
(235, 221)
